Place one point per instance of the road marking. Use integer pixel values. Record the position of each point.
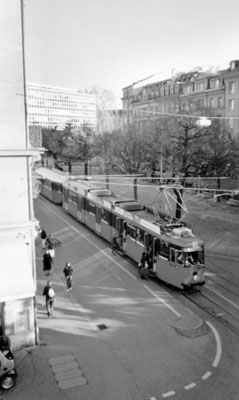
(90, 241)
(211, 245)
(206, 375)
(190, 386)
(168, 394)
(218, 342)
(162, 301)
(67, 371)
(223, 297)
(209, 274)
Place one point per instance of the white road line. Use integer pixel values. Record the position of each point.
(162, 301)
(190, 386)
(218, 342)
(209, 274)
(223, 297)
(88, 240)
(206, 375)
(168, 394)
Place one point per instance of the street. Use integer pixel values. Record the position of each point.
(118, 333)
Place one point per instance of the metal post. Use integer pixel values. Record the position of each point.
(161, 165)
(135, 189)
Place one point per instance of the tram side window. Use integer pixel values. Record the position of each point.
(66, 194)
(105, 215)
(80, 203)
(91, 208)
(57, 187)
(74, 198)
(157, 247)
(113, 221)
(164, 249)
(131, 231)
(176, 256)
(139, 235)
(48, 184)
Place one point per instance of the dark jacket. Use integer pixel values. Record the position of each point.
(47, 262)
(68, 270)
(50, 243)
(43, 234)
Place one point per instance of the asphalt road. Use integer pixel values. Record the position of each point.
(120, 329)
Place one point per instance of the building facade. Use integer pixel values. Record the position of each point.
(53, 107)
(17, 222)
(211, 94)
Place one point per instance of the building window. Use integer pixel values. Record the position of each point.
(231, 104)
(200, 86)
(231, 123)
(188, 89)
(219, 102)
(199, 104)
(214, 83)
(231, 87)
(211, 102)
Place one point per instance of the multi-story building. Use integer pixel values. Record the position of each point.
(17, 222)
(211, 94)
(54, 107)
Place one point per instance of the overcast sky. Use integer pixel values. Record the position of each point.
(111, 44)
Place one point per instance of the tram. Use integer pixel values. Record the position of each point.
(51, 184)
(176, 254)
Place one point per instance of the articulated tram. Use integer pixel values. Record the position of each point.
(51, 184)
(176, 254)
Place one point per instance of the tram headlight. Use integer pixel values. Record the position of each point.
(195, 276)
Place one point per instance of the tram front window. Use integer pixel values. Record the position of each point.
(193, 258)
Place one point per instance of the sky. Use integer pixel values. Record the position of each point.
(112, 44)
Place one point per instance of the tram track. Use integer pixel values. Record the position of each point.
(215, 310)
(215, 281)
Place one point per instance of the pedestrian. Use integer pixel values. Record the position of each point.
(50, 245)
(68, 272)
(115, 245)
(43, 238)
(47, 262)
(144, 261)
(49, 294)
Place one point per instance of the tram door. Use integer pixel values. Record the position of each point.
(155, 253)
(98, 219)
(121, 231)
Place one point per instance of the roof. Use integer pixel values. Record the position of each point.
(52, 174)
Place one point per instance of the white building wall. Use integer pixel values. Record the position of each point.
(17, 224)
(50, 106)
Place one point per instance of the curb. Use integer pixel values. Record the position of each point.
(190, 327)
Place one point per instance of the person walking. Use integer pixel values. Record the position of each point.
(115, 245)
(49, 294)
(43, 238)
(47, 262)
(68, 272)
(50, 245)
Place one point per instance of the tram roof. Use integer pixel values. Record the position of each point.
(52, 175)
(130, 205)
(81, 186)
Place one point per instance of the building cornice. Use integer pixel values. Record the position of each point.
(21, 152)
